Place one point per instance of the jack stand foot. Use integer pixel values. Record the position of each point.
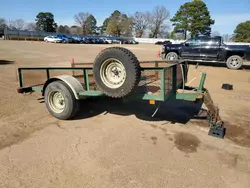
(217, 131)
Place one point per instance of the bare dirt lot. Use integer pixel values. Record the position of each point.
(108, 144)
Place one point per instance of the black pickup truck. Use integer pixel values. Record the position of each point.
(208, 49)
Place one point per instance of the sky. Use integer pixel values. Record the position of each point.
(227, 13)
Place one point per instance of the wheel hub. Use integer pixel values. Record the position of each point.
(172, 57)
(113, 73)
(234, 62)
(56, 101)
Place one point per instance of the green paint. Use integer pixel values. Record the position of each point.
(163, 84)
(174, 80)
(86, 79)
(164, 93)
(187, 96)
(202, 81)
(37, 88)
(91, 93)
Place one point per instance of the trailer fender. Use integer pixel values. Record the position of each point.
(71, 82)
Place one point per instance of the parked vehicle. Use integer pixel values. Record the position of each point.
(101, 41)
(107, 41)
(163, 42)
(134, 42)
(208, 49)
(116, 41)
(64, 38)
(76, 39)
(83, 40)
(53, 39)
(123, 41)
(91, 40)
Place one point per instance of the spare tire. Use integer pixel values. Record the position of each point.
(117, 71)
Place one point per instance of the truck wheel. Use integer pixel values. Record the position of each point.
(234, 62)
(60, 100)
(171, 56)
(117, 71)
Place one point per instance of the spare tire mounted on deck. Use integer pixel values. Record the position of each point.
(117, 71)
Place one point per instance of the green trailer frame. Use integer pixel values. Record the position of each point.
(172, 86)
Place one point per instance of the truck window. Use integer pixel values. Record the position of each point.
(193, 42)
(210, 42)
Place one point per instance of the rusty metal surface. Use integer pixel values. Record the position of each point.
(143, 64)
(213, 110)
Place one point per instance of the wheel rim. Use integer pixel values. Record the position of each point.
(56, 101)
(112, 73)
(172, 57)
(234, 62)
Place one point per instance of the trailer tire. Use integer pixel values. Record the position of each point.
(117, 71)
(60, 100)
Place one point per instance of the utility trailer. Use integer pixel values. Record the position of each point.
(116, 73)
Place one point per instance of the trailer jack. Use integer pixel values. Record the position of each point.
(217, 128)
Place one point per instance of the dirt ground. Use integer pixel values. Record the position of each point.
(110, 144)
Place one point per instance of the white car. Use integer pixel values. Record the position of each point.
(52, 39)
(116, 41)
(109, 41)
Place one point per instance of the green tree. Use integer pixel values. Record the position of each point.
(90, 25)
(63, 29)
(87, 22)
(3, 24)
(104, 26)
(194, 17)
(242, 32)
(118, 24)
(45, 22)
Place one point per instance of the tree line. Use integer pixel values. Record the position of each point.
(193, 18)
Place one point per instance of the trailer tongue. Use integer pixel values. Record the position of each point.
(116, 73)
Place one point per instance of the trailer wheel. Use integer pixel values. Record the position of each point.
(60, 100)
(117, 71)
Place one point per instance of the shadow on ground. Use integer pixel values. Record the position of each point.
(174, 111)
(216, 64)
(6, 62)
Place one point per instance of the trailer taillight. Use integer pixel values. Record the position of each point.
(24, 89)
(19, 90)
